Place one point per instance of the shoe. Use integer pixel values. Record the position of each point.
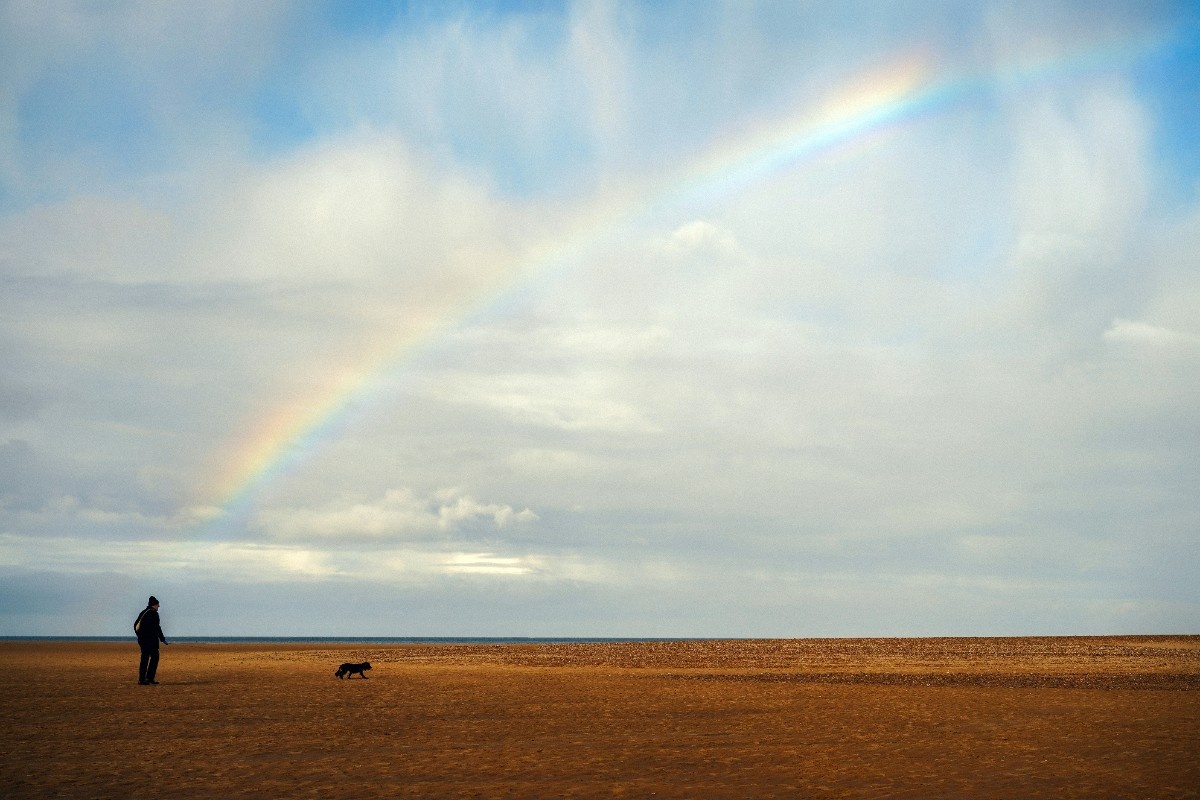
(143, 683)
(152, 683)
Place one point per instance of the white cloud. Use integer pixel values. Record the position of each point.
(464, 509)
(1125, 331)
(147, 559)
(582, 401)
(399, 514)
(599, 51)
(364, 209)
(703, 238)
(100, 515)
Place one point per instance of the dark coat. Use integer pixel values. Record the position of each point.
(149, 632)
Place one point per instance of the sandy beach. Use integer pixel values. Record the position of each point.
(898, 718)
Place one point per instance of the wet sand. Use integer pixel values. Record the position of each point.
(897, 718)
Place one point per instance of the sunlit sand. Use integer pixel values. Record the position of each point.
(914, 718)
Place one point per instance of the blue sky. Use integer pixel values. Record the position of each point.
(588, 319)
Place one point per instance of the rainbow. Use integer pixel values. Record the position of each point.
(882, 103)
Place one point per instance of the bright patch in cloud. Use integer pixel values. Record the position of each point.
(488, 564)
(1124, 331)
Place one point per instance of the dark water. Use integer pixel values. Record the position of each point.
(354, 639)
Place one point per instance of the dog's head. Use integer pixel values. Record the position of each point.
(366, 665)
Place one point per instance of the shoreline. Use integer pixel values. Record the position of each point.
(266, 640)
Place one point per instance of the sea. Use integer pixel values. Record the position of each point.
(362, 639)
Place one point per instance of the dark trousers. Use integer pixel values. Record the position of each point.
(149, 663)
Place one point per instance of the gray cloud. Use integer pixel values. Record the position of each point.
(940, 380)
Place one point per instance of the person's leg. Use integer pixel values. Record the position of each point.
(143, 664)
(152, 665)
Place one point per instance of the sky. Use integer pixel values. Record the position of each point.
(722, 319)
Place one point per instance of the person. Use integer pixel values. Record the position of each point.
(149, 634)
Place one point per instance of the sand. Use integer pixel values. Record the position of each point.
(897, 718)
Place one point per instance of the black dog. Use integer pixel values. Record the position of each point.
(350, 669)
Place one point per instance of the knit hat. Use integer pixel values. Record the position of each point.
(153, 601)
